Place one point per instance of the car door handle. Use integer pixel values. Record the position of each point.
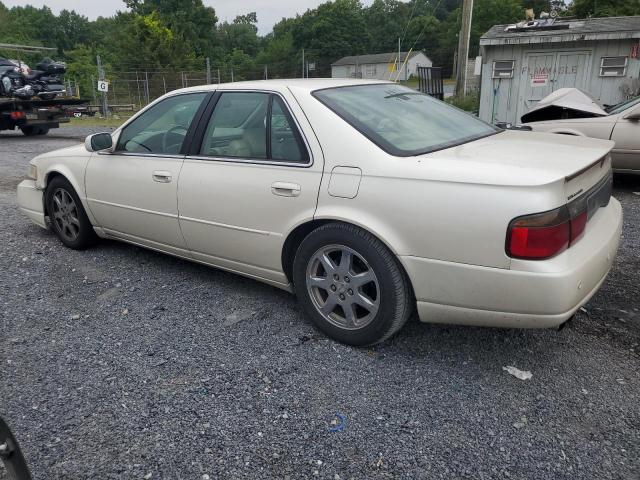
(161, 176)
(285, 189)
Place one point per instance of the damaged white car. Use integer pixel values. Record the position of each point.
(570, 111)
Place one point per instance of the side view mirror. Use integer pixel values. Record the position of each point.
(634, 116)
(10, 454)
(98, 141)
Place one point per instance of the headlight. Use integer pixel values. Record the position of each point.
(32, 173)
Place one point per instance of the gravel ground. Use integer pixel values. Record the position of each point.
(119, 362)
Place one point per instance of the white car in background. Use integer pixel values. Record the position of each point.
(570, 111)
(367, 199)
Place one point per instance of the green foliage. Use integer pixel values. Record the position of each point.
(604, 8)
(469, 103)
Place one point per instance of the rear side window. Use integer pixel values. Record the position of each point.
(253, 126)
(238, 126)
(162, 128)
(286, 144)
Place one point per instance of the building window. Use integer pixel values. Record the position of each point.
(503, 69)
(613, 66)
(371, 70)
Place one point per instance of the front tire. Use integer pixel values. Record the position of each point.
(350, 285)
(69, 221)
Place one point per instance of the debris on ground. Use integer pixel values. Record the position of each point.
(234, 318)
(521, 374)
(337, 423)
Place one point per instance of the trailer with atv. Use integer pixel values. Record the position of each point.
(35, 116)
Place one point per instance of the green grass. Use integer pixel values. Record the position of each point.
(411, 83)
(113, 121)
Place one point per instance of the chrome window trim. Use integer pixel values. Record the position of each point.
(133, 154)
(258, 160)
(251, 161)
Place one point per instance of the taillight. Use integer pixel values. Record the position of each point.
(544, 235)
(17, 115)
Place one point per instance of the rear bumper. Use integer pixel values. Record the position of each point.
(30, 201)
(530, 294)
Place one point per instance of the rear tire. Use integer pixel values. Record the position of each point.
(350, 285)
(29, 131)
(69, 221)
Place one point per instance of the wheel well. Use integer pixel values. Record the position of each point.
(293, 241)
(48, 177)
(296, 237)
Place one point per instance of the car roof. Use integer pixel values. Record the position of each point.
(308, 84)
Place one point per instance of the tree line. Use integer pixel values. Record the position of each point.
(172, 35)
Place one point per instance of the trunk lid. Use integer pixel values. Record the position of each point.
(520, 158)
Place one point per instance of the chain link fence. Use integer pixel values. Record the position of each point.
(134, 88)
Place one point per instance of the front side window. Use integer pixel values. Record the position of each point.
(252, 125)
(400, 120)
(162, 128)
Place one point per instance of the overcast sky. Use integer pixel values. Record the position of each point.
(269, 11)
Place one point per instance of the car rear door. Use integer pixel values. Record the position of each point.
(251, 175)
(132, 190)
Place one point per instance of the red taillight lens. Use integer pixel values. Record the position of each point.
(17, 115)
(539, 242)
(578, 225)
(544, 235)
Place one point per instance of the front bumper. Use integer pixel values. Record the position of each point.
(532, 294)
(30, 201)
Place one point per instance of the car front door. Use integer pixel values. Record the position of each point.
(132, 190)
(626, 133)
(250, 178)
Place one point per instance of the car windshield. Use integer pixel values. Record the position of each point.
(622, 106)
(401, 121)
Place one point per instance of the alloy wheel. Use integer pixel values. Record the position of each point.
(343, 287)
(65, 214)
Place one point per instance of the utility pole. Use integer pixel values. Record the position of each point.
(105, 106)
(146, 86)
(266, 72)
(208, 72)
(399, 67)
(303, 63)
(463, 48)
(218, 76)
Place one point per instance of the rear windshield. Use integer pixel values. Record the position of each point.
(401, 121)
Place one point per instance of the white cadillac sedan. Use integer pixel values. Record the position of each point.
(367, 199)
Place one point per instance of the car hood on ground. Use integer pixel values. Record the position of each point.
(564, 103)
(518, 158)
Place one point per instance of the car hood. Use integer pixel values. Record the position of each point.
(73, 151)
(572, 101)
(518, 158)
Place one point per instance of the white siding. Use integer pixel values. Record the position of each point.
(380, 71)
(504, 100)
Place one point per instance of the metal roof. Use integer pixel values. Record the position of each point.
(390, 57)
(607, 28)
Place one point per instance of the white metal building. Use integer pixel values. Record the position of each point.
(522, 66)
(381, 66)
